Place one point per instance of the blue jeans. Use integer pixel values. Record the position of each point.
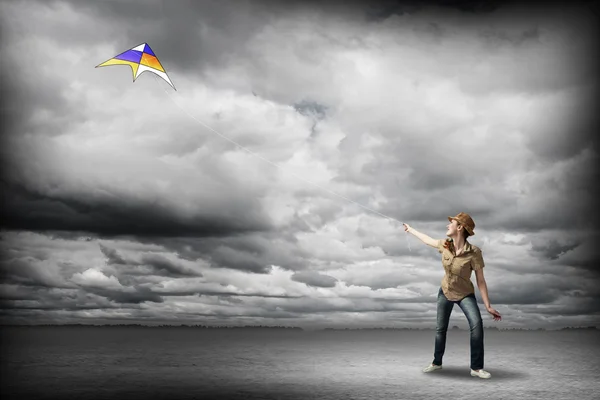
(471, 310)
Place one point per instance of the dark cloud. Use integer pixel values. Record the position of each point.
(311, 108)
(568, 305)
(227, 257)
(128, 295)
(112, 255)
(312, 278)
(562, 199)
(42, 298)
(28, 92)
(254, 252)
(231, 295)
(108, 217)
(381, 10)
(385, 279)
(96, 282)
(472, 6)
(585, 255)
(521, 294)
(157, 264)
(495, 38)
(440, 179)
(163, 264)
(30, 271)
(553, 249)
(17, 292)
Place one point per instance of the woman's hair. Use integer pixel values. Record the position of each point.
(465, 233)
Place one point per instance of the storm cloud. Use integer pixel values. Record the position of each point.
(270, 187)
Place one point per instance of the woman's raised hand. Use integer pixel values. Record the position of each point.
(406, 227)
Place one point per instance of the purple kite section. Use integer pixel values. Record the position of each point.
(130, 55)
(148, 50)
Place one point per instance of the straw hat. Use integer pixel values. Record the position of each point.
(465, 220)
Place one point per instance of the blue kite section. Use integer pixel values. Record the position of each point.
(130, 55)
(148, 50)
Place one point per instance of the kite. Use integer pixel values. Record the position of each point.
(141, 59)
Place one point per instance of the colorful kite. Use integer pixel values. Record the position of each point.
(141, 59)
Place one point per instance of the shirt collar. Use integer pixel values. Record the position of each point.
(467, 248)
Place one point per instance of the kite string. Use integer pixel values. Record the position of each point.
(279, 167)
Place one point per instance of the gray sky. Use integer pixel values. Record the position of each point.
(118, 206)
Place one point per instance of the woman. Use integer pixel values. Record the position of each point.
(459, 258)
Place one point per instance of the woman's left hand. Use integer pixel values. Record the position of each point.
(495, 314)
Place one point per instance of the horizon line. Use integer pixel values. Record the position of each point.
(199, 326)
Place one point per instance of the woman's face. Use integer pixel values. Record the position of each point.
(452, 228)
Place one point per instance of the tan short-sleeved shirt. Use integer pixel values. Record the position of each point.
(456, 283)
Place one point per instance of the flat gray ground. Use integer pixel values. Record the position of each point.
(85, 363)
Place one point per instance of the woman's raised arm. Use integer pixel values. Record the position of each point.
(423, 237)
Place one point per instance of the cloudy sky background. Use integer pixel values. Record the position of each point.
(119, 207)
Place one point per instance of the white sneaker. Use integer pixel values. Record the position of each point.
(481, 373)
(432, 367)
